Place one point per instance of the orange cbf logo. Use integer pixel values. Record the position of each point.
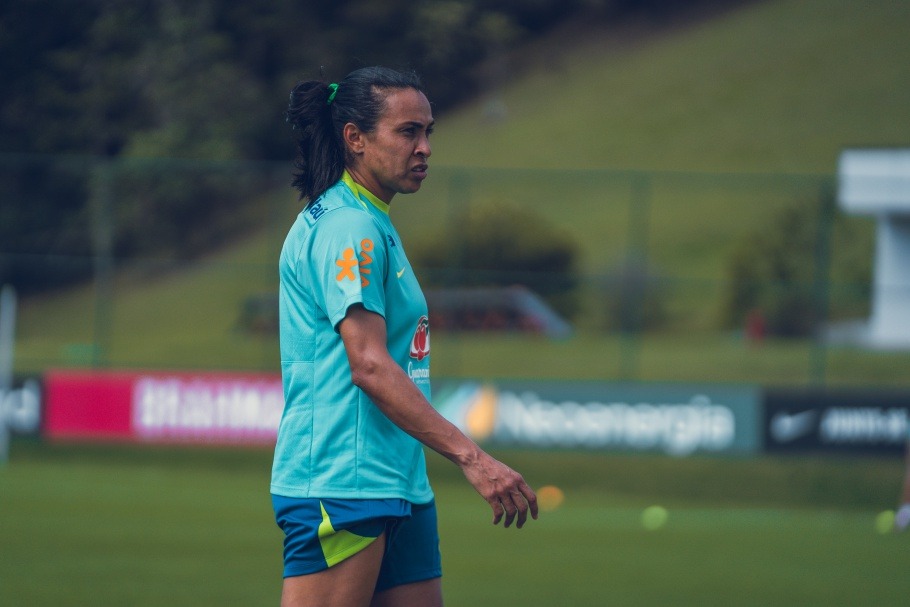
(349, 261)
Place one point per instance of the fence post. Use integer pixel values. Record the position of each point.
(7, 345)
(821, 281)
(102, 256)
(458, 202)
(639, 216)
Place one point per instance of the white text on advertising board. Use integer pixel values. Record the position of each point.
(864, 425)
(676, 428)
(206, 408)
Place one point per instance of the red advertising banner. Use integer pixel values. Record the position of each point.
(169, 407)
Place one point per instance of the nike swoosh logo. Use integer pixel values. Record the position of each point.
(400, 272)
(787, 427)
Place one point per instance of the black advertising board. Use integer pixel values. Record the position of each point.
(837, 421)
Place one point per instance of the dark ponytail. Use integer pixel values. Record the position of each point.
(320, 158)
(318, 112)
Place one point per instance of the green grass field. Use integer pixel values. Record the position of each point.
(99, 525)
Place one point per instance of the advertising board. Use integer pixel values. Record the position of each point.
(222, 408)
(230, 408)
(675, 419)
(837, 421)
(678, 420)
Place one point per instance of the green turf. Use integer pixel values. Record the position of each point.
(126, 526)
(692, 357)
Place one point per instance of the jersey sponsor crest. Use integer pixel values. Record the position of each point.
(420, 342)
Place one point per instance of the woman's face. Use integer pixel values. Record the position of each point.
(393, 158)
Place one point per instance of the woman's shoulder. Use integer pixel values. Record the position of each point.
(339, 204)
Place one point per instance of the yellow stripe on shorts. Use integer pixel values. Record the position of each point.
(339, 545)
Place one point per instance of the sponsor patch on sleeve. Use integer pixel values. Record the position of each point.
(354, 265)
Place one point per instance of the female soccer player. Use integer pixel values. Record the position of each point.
(349, 484)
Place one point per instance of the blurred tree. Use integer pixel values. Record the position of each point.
(502, 245)
(70, 82)
(57, 98)
(776, 273)
(204, 79)
(201, 104)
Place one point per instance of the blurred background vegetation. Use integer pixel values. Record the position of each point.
(662, 173)
(207, 80)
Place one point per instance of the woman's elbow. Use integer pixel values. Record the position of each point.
(365, 371)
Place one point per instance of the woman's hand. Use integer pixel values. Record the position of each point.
(504, 489)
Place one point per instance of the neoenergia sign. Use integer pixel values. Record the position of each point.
(677, 420)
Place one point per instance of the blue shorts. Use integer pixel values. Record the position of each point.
(320, 533)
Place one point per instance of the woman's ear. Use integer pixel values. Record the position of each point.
(353, 138)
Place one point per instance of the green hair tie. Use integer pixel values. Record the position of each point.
(334, 88)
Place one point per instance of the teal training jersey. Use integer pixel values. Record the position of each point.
(333, 441)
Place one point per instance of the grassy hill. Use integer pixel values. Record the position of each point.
(678, 140)
(773, 86)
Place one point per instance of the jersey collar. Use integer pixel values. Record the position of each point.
(362, 193)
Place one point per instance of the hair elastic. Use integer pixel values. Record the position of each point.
(334, 88)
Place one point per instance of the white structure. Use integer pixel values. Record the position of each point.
(877, 182)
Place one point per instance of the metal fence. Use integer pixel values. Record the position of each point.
(676, 276)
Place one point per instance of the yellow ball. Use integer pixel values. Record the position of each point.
(654, 517)
(884, 522)
(550, 498)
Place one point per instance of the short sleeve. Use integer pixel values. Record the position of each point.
(347, 263)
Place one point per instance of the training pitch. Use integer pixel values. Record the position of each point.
(84, 525)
